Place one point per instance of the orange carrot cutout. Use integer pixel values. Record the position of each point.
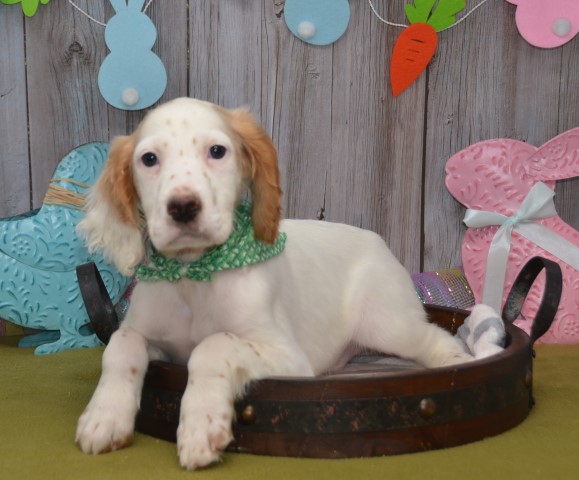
(412, 52)
(416, 45)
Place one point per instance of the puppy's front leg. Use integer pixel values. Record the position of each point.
(107, 423)
(219, 370)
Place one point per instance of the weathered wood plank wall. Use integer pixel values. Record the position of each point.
(349, 151)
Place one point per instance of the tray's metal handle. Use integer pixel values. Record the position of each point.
(551, 296)
(101, 311)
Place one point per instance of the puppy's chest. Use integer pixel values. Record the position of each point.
(184, 316)
(211, 308)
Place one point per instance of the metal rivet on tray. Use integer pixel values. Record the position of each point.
(427, 408)
(528, 379)
(248, 415)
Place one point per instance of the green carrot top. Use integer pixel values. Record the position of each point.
(438, 17)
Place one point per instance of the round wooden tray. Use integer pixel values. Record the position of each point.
(371, 409)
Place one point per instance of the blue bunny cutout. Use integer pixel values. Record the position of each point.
(319, 22)
(131, 77)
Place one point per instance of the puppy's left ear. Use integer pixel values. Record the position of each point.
(265, 183)
(111, 223)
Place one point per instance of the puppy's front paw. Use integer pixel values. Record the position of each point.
(104, 427)
(202, 436)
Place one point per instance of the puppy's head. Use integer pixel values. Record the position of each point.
(184, 170)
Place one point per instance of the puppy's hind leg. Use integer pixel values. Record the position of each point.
(389, 318)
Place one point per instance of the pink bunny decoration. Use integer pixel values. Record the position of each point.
(547, 23)
(508, 186)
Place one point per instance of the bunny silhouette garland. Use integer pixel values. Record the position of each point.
(508, 186)
(131, 77)
(318, 22)
(547, 24)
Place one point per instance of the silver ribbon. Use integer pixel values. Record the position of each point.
(538, 204)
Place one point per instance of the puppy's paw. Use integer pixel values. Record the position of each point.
(202, 436)
(483, 332)
(454, 358)
(104, 427)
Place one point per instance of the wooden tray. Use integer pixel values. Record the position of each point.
(371, 409)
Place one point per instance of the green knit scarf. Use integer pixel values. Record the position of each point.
(239, 250)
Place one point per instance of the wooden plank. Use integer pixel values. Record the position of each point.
(14, 178)
(485, 82)
(225, 53)
(458, 107)
(224, 62)
(64, 51)
(301, 126)
(567, 192)
(374, 178)
(172, 33)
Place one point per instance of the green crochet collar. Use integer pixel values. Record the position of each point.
(239, 250)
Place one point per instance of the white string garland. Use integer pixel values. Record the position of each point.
(382, 19)
(402, 25)
(94, 19)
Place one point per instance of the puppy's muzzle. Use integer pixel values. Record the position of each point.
(184, 209)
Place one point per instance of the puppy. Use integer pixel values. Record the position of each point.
(315, 293)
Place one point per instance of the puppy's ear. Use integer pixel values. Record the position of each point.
(265, 184)
(111, 223)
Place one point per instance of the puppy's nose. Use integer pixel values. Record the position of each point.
(184, 209)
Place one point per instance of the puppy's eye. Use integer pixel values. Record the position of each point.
(149, 159)
(217, 152)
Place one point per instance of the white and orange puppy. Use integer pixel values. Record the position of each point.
(333, 290)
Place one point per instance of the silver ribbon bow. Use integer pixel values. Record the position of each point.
(538, 204)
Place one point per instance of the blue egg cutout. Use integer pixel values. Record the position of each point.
(318, 22)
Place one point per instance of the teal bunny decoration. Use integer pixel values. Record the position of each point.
(39, 253)
(131, 77)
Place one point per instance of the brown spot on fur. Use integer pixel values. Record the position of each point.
(241, 373)
(181, 152)
(254, 349)
(134, 371)
(194, 141)
(118, 444)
